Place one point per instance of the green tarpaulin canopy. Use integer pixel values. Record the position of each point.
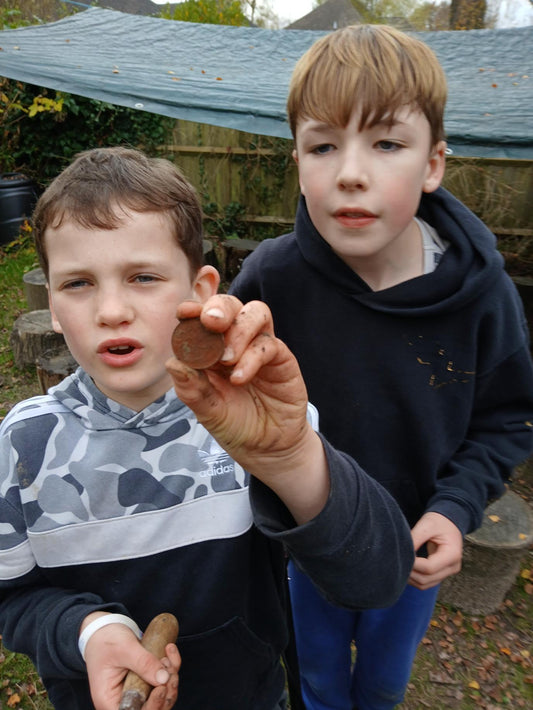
(237, 77)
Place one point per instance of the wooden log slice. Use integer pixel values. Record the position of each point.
(32, 335)
(35, 290)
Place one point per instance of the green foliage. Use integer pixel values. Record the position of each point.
(19, 13)
(21, 687)
(379, 11)
(43, 129)
(16, 259)
(212, 12)
(10, 18)
(228, 224)
(430, 16)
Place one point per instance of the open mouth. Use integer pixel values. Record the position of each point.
(121, 350)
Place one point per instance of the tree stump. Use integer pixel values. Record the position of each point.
(35, 290)
(236, 251)
(32, 335)
(491, 557)
(53, 366)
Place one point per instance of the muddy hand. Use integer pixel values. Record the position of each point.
(162, 630)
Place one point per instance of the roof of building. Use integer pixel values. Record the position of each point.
(330, 15)
(133, 7)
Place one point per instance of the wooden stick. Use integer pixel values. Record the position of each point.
(161, 630)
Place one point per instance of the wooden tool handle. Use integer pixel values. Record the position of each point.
(161, 630)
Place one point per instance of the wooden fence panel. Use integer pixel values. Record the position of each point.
(249, 183)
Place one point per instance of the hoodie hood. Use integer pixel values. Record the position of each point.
(470, 265)
(79, 394)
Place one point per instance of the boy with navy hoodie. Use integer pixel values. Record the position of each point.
(410, 335)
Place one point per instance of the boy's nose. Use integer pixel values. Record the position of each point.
(353, 171)
(113, 308)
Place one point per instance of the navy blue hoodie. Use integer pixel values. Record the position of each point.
(427, 384)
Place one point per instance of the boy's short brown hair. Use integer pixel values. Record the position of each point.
(376, 68)
(102, 183)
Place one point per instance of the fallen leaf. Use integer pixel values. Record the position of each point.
(525, 574)
(13, 700)
(474, 685)
(494, 518)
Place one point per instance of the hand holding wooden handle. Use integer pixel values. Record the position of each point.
(161, 630)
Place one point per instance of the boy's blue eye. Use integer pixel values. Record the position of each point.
(388, 146)
(79, 283)
(145, 278)
(324, 148)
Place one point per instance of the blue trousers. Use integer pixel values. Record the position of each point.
(386, 641)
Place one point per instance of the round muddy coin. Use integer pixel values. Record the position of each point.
(196, 346)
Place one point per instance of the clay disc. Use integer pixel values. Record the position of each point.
(195, 345)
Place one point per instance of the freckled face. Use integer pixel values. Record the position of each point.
(363, 187)
(113, 294)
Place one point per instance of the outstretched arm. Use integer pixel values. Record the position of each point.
(254, 402)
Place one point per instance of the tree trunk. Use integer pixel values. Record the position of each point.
(467, 14)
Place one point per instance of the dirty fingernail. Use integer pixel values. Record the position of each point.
(228, 354)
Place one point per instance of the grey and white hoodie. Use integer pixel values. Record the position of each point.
(102, 507)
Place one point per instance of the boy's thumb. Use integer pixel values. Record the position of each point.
(148, 672)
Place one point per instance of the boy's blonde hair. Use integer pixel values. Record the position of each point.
(96, 188)
(374, 68)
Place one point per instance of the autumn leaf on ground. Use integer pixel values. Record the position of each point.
(13, 700)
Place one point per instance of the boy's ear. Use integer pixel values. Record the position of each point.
(435, 167)
(55, 323)
(295, 158)
(206, 283)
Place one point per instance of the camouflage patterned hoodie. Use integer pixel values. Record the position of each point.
(102, 507)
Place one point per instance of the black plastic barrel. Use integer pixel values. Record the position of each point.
(18, 195)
